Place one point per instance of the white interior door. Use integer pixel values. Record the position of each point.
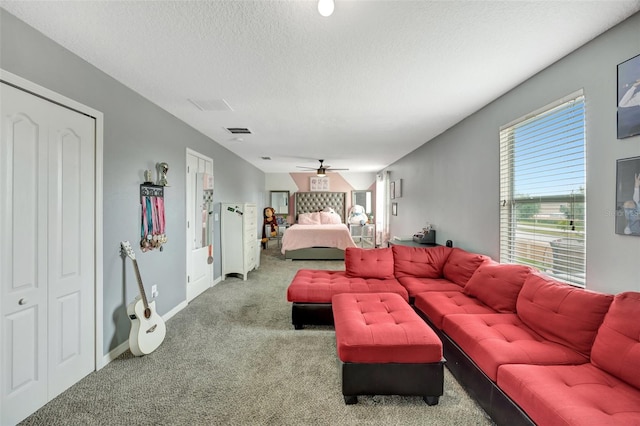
(199, 271)
(47, 161)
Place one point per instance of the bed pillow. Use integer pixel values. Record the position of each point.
(309, 218)
(369, 263)
(327, 218)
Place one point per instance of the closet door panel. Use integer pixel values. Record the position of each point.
(23, 256)
(71, 242)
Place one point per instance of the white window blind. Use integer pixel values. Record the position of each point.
(542, 190)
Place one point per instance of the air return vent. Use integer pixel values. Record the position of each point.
(211, 104)
(238, 130)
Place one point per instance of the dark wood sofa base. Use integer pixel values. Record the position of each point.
(501, 409)
(311, 314)
(426, 380)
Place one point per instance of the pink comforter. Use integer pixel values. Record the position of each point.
(305, 236)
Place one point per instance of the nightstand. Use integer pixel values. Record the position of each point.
(364, 235)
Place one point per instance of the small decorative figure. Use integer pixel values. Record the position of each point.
(270, 220)
(162, 168)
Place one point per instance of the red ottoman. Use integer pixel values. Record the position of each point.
(385, 348)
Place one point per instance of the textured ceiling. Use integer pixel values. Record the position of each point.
(360, 89)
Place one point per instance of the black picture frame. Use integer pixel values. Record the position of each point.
(627, 196)
(394, 209)
(628, 98)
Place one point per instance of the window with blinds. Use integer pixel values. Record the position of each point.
(542, 190)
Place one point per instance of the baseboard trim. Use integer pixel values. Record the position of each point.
(115, 353)
(174, 311)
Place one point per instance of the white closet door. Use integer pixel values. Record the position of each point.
(71, 248)
(23, 258)
(47, 251)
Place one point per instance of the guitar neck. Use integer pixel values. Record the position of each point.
(140, 286)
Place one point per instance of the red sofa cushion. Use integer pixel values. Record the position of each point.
(438, 304)
(369, 263)
(616, 349)
(424, 262)
(570, 394)
(382, 328)
(562, 313)
(318, 286)
(461, 265)
(497, 285)
(492, 340)
(415, 285)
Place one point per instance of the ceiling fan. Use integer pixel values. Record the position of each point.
(322, 170)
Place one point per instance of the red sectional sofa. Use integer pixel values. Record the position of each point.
(400, 269)
(528, 348)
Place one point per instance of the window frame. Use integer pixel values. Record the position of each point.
(562, 258)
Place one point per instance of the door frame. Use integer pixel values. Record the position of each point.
(42, 92)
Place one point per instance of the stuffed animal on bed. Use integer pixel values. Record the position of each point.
(357, 215)
(270, 221)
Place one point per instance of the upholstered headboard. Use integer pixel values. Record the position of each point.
(309, 202)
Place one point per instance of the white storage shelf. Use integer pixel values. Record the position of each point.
(238, 238)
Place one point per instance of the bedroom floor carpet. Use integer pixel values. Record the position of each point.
(232, 357)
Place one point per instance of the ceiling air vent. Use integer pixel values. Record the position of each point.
(238, 130)
(210, 104)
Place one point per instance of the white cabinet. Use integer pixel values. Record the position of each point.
(238, 238)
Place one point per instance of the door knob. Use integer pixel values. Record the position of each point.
(22, 301)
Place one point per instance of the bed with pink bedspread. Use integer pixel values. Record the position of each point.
(299, 237)
(320, 231)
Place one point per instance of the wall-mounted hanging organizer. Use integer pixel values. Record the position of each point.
(152, 231)
(204, 204)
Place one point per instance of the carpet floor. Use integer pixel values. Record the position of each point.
(232, 357)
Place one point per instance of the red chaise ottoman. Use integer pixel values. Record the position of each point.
(385, 348)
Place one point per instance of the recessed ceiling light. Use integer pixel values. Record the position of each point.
(326, 7)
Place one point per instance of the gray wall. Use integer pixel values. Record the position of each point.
(137, 135)
(452, 180)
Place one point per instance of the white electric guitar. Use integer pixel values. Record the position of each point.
(147, 327)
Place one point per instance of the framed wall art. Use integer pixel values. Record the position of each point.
(398, 188)
(317, 183)
(394, 209)
(629, 98)
(628, 196)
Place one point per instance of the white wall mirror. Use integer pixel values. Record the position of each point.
(280, 201)
(364, 199)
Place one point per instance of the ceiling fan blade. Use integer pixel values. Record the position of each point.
(322, 169)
